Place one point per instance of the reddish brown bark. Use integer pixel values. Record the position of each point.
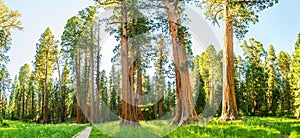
(229, 107)
(97, 80)
(139, 83)
(185, 110)
(77, 72)
(86, 88)
(127, 114)
(133, 104)
(92, 79)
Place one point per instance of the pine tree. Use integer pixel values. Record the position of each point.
(45, 57)
(198, 86)
(4, 89)
(241, 96)
(65, 82)
(296, 77)
(104, 96)
(9, 19)
(211, 71)
(24, 76)
(255, 82)
(271, 95)
(283, 62)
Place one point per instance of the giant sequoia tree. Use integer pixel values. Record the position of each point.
(185, 109)
(70, 38)
(236, 16)
(130, 26)
(45, 59)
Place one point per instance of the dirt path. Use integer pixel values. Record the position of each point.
(84, 133)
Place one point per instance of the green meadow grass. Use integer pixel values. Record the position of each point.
(18, 129)
(249, 127)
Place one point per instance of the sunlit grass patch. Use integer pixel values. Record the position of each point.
(18, 129)
(263, 127)
(157, 128)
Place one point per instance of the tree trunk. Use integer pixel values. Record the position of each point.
(229, 107)
(62, 108)
(134, 100)
(92, 79)
(32, 103)
(97, 80)
(23, 103)
(45, 92)
(77, 72)
(127, 117)
(124, 63)
(160, 76)
(131, 79)
(139, 83)
(86, 88)
(185, 111)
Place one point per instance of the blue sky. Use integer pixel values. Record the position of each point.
(278, 25)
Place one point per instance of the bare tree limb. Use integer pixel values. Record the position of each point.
(115, 22)
(215, 17)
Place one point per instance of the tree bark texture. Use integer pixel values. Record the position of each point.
(185, 110)
(229, 107)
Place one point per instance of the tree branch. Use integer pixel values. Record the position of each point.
(211, 6)
(176, 3)
(108, 3)
(114, 22)
(215, 17)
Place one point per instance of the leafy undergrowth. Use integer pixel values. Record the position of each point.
(18, 129)
(249, 127)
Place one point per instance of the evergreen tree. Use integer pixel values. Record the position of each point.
(4, 89)
(296, 77)
(236, 15)
(65, 82)
(24, 76)
(255, 82)
(9, 19)
(211, 72)
(284, 62)
(198, 86)
(272, 90)
(241, 96)
(45, 57)
(104, 96)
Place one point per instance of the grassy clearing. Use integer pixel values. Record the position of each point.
(249, 127)
(18, 129)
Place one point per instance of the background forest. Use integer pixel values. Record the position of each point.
(66, 81)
